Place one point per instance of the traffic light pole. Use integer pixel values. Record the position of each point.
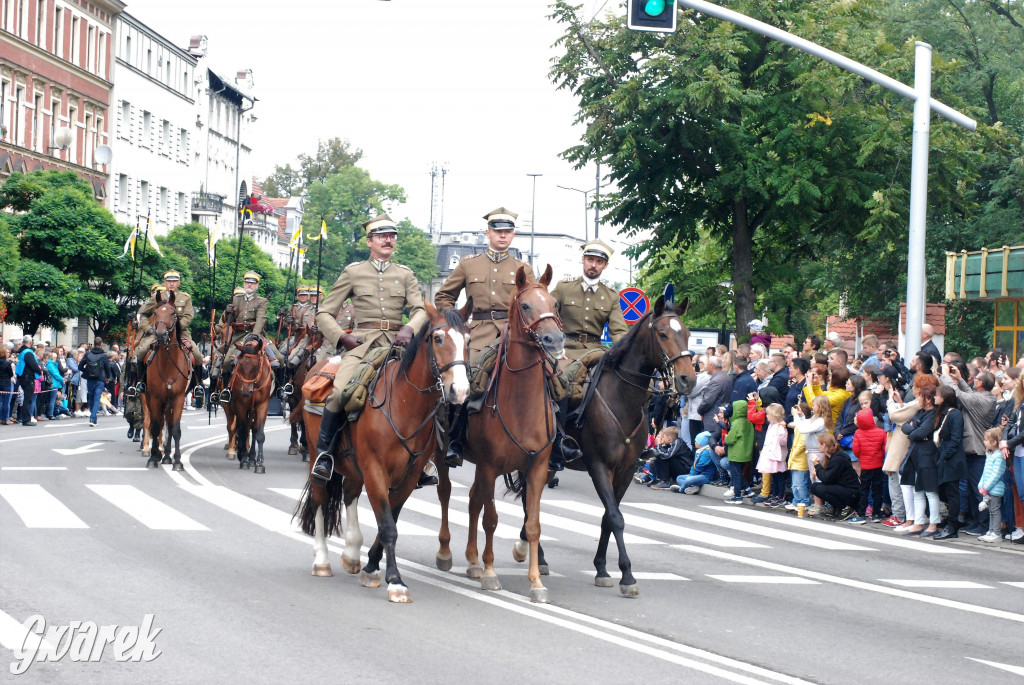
(924, 104)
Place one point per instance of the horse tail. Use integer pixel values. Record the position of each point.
(305, 511)
(295, 415)
(515, 483)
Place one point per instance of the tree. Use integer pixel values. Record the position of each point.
(330, 158)
(415, 251)
(781, 158)
(68, 248)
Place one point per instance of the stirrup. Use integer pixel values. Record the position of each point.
(131, 392)
(570, 448)
(225, 396)
(319, 477)
(288, 389)
(213, 398)
(140, 387)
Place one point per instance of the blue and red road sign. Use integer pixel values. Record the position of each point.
(634, 304)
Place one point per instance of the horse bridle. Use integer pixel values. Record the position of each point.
(530, 328)
(242, 352)
(169, 344)
(666, 370)
(436, 370)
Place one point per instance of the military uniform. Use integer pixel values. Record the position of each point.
(249, 318)
(585, 309)
(303, 315)
(186, 312)
(490, 279)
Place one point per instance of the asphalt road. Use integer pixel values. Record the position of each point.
(727, 593)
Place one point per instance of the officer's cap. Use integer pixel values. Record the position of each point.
(238, 291)
(501, 218)
(380, 224)
(172, 275)
(302, 290)
(157, 288)
(251, 277)
(598, 248)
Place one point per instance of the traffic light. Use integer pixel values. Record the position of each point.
(651, 15)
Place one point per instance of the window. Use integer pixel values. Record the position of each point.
(72, 124)
(149, 61)
(167, 137)
(143, 198)
(58, 33)
(182, 209)
(37, 124)
(90, 49)
(40, 22)
(162, 211)
(128, 49)
(147, 129)
(184, 144)
(22, 21)
(19, 98)
(126, 120)
(76, 42)
(102, 70)
(1009, 327)
(54, 124)
(122, 192)
(89, 141)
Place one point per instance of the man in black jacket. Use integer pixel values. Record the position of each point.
(95, 370)
(716, 394)
(27, 379)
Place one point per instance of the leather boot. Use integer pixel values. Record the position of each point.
(138, 435)
(456, 432)
(330, 424)
(949, 532)
(565, 447)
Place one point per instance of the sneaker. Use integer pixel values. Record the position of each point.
(749, 492)
(790, 507)
(676, 488)
(728, 493)
(92, 424)
(857, 519)
(758, 499)
(661, 485)
(734, 500)
(869, 512)
(775, 502)
(848, 513)
(876, 519)
(892, 522)
(692, 489)
(639, 478)
(1017, 534)
(975, 530)
(989, 537)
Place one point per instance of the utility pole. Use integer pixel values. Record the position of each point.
(533, 216)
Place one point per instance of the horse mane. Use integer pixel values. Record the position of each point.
(452, 319)
(617, 354)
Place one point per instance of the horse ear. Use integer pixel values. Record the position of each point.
(670, 293)
(545, 280)
(238, 345)
(659, 306)
(467, 309)
(170, 298)
(432, 312)
(683, 306)
(520, 278)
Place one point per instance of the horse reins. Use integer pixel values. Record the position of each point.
(167, 345)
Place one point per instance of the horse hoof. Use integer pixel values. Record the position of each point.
(248, 464)
(231, 456)
(178, 466)
(166, 460)
(259, 469)
(475, 571)
(443, 563)
(539, 595)
(322, 571)
(398, 593)
(242, 465)
(227, 445)
(629, 590)
(293, 450)
(544, 570)
(351, 566)
(520, 550)
(305, 458)
(490, 583)
(370, 579)
(152, 464)
(604, 581)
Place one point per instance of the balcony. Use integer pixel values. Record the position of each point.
(207, 203)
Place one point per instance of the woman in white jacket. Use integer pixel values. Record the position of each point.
(693, 400)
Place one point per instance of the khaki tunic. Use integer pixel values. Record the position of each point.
(186, 312)
(376, 296)
(491, 284)
(304, 315)
(252, 313)
(586, 313)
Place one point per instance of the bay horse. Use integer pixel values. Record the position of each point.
(169, 377)
(612, 430)
(297, 443)
(251, 384)
(387, 447)
(513, 431)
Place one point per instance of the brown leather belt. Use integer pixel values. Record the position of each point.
(381, 325)
(492, 315)
(583, 337)
(241, 326)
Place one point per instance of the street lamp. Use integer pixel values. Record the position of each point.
(586, 205)
(533, 215)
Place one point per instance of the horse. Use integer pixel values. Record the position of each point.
(387, 447)
(246, 414)
(298, 443)
(612, 430)
(169, 377)
(513, 431)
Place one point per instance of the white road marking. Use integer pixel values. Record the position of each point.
(50, 436)
(658, 525)
(14, 635)
(84, 449)
(763, 531)
(461, 518)
(519, 571)
(647, 575)
(548, 519)
(1013, 583)
(116, 468)
(839, 530)
(366, 516)
(764, 580)
(938, 584)
(1016, 670)
(37, 508)
(859, 584)
(34, 468)
(148, 510)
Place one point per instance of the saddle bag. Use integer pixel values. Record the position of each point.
(354, 394)
(320, 380)
(577, 373)
(480, 370)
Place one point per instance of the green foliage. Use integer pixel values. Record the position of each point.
(415, 251)
(330, 158)
(8, 256)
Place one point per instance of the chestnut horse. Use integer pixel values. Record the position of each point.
(513, 431)
(169, 377)
(613, 429)
(387, 447)
(251, 383)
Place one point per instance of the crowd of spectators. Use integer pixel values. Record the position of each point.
(931, 447)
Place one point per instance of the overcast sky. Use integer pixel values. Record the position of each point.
(411, 82)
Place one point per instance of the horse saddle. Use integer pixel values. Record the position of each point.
(577, 375)
(354, 394)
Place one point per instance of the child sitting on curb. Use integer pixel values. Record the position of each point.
(703, 469)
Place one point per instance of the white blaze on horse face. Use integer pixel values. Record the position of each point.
(460, 381)
(675, 325)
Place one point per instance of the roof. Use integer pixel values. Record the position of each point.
(278, 203)
(226, 89)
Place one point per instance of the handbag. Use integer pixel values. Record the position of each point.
(935, 435)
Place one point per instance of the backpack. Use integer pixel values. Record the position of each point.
(91, 369)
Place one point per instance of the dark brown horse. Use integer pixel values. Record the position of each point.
(613, 430)
(386, 448)
(297, 443)
(513, 431)
(169, 377)
(251, 383)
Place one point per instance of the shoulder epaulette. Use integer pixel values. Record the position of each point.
(355, 264)
(570, 280)
(401, 266)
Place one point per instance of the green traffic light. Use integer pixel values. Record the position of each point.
(654, 7)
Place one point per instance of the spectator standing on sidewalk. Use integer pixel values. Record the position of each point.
(28, 373)
(869, 447)
(991, 486)
(695, 397)
(740, 449)
(56, 385)
(96, 371)
(6, 385)
(952, 463)
(921, 469)
(717, 393)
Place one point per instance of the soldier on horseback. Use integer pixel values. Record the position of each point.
(185, 313)
(380, 290)
(299, 318)
(585, 305)
(246, 315)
